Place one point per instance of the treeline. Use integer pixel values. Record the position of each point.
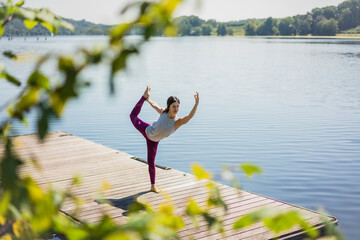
(327, 21)
(17, 28)
(195, 26)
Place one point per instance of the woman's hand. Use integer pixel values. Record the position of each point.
(196, 96)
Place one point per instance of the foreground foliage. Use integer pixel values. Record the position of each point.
(29, 212)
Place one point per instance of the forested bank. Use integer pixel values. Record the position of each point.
(17, 28)
(326, 21)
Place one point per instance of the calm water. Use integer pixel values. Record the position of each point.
(290, 106)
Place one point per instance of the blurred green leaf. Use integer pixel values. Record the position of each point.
(45, 16)
(9, 166)
(17, 228)
(4, 202)
(136, 207)
(144, 7)
(118, 31)
(331, 229)
(30, 24)
(26, 14)
(57, 104)
(66, 63)
(209, 219)
(312, 232)
(170, 31)
(250, 169)
(282, 222)
(193, 209)
(119, 62)
(77, 180)
(5, 131)
(37, 79)
(171, 5)
(34, 191)
(123, 236)
(10, 78)
(2, 220)
(29, 98)
(200, 172)
(19, 3)
(243, 222)
(9, 54)
(214, 198)
(248, 220)
(43, 121)
(67, 25)
(48, 25)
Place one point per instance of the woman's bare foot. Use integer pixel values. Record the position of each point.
(147, 92)
(154, 189)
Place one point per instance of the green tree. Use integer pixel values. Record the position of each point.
(286, 26)
(345, 19)
(206, 29)
(183, 25)
(317, 12)
(266, 27)
(330, 12)
(304, 27)
(275, 31)
(349, 14)
(194, 21)
(212, 22)
(221, 30)
(230, 31)
(196, 32)
(250, 27)
(326, 27)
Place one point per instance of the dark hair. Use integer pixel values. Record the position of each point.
(170, 101)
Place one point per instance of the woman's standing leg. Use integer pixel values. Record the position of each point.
(140, 125)
(151, 154)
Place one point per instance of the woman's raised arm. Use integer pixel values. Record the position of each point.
(152, 103)
(160, 110)
(184, 120)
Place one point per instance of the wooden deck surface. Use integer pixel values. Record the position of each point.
(63, 155)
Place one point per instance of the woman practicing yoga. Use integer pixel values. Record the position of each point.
(166, 125)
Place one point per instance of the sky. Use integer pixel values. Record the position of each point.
(108, 11)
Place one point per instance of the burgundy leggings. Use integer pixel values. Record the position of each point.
(140, 125)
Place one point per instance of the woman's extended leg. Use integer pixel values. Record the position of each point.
(139, 124)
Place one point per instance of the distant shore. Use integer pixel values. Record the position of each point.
(338, 36)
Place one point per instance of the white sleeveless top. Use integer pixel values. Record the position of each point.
(161, 129)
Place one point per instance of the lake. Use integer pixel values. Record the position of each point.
(291, 106)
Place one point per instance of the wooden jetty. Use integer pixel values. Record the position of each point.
(64, 155)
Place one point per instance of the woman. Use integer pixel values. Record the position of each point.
(166, 125)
